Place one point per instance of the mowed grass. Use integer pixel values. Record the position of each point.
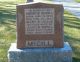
(7, 26)
(77, 1)
(8, 29)
(72, 34)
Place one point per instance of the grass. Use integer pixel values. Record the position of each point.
(72, 34)
(77, 1)
(8, 29)
(7, 26)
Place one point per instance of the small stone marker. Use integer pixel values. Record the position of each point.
(40, 25)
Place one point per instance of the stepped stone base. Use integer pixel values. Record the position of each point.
(40, 54)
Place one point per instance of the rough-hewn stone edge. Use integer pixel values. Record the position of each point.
(64, 54)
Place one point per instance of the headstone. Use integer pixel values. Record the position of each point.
(40, 25)
(40, 34)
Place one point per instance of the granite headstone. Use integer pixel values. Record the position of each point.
(40, 34)
(40, 25)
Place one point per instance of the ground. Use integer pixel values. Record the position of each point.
(8, 29)
(77, 1)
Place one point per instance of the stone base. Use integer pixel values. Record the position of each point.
(40, 54)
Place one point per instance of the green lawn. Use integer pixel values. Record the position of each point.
(72, 34)
(8, 29)
(77, 1)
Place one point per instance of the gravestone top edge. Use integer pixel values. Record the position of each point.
(51, 3)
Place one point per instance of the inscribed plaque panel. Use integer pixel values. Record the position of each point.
(39, 21)
(40, 43)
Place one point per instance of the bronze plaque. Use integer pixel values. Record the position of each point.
(39, 25)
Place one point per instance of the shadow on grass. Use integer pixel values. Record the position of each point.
(70, 39)
(75, 59)
(7, 20)
(72, 22)
(7, 15)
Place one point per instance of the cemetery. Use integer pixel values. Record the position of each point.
(38, 32)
